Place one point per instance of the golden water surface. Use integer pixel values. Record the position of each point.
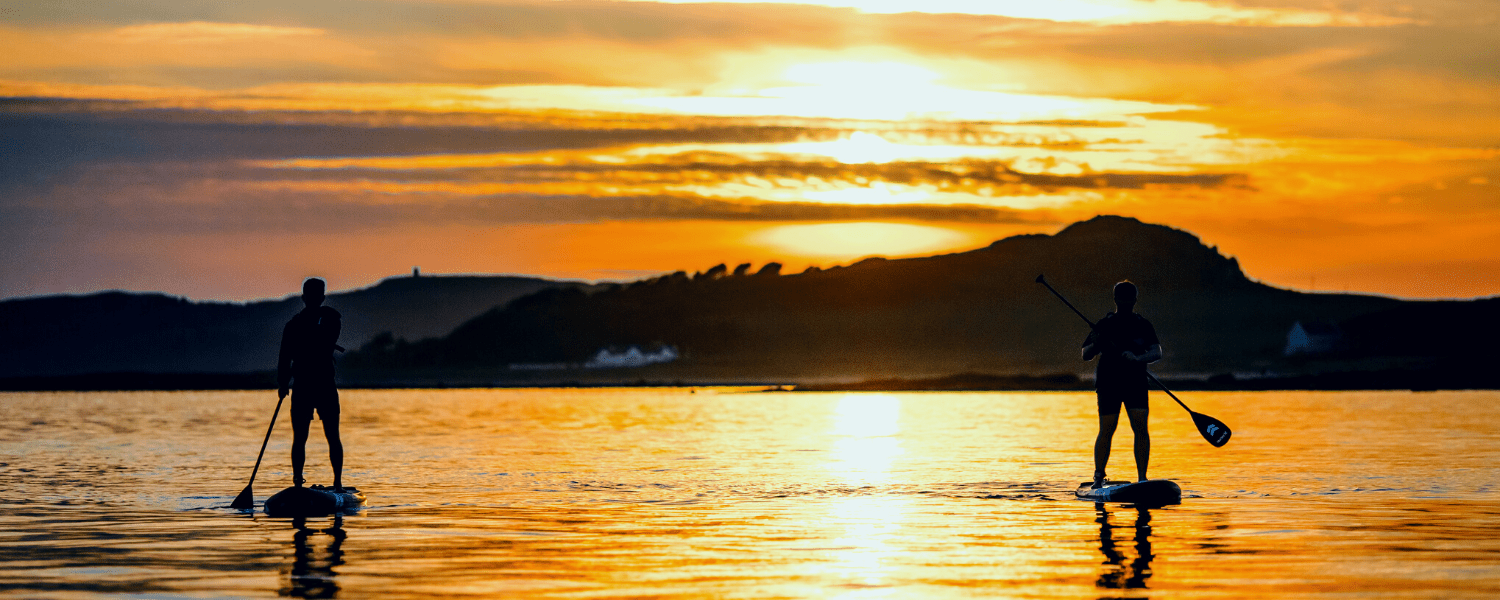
(730, 493)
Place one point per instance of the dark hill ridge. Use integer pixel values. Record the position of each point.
(155, 333)
(977, 311)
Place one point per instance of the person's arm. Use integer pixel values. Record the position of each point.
(1151, 354)
(1152, 343)
(284, 364)
(333, 324)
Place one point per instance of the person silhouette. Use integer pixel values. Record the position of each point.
(306, 362)
(1125, 343)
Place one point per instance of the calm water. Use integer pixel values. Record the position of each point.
(728, 494)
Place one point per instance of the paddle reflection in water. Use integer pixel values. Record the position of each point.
(1123, 568)
(312, 574)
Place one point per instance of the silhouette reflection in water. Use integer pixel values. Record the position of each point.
(312, 574)
(1124, 569)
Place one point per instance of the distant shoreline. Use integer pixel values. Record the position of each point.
(1390, 379)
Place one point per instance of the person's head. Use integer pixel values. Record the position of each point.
(1125, 295)
(312, 291)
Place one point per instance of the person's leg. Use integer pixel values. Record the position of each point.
(299, 446)
(1142, 439)
(1107, 424)
(335, 446)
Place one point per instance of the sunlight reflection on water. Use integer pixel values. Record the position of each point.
(657, 492)
(864, 430)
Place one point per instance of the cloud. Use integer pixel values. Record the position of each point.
(179, 54)
(1310, 131)
(202, 171)
(43, 138)
(187, 197)
(1105, 11)
(613, 173)
(399, 41)
(200, 32)
(1426, 78)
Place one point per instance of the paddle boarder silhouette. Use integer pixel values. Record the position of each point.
(1125, 343)
(306, 364)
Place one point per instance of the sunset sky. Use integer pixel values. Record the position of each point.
(226, 150)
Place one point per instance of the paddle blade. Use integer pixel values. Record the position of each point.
(1213, 430)
(244, 501)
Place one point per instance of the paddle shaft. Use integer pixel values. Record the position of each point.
(262, 454)
(1080, 314)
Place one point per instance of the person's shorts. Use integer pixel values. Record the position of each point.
(323, 400)
(1110, 400)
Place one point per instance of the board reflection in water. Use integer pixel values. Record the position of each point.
(315, 554)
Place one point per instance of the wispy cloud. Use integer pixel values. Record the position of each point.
(201, 32)
(1104, 11)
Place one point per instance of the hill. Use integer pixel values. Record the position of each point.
(966, 320)
(112, 332)
(971, 312)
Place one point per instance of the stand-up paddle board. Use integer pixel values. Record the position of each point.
(314, 501)
(1151, 491)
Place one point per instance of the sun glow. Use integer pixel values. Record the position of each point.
(844, 90)
(860, 147)
(877, 193)
(889, 90)
(843, 241)
(889, 194)
(856, 74)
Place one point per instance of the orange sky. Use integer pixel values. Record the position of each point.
(226, 150)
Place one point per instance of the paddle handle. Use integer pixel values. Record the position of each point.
(1043, 280)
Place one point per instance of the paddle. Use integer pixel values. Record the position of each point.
(1213, 430)
(246, 499)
